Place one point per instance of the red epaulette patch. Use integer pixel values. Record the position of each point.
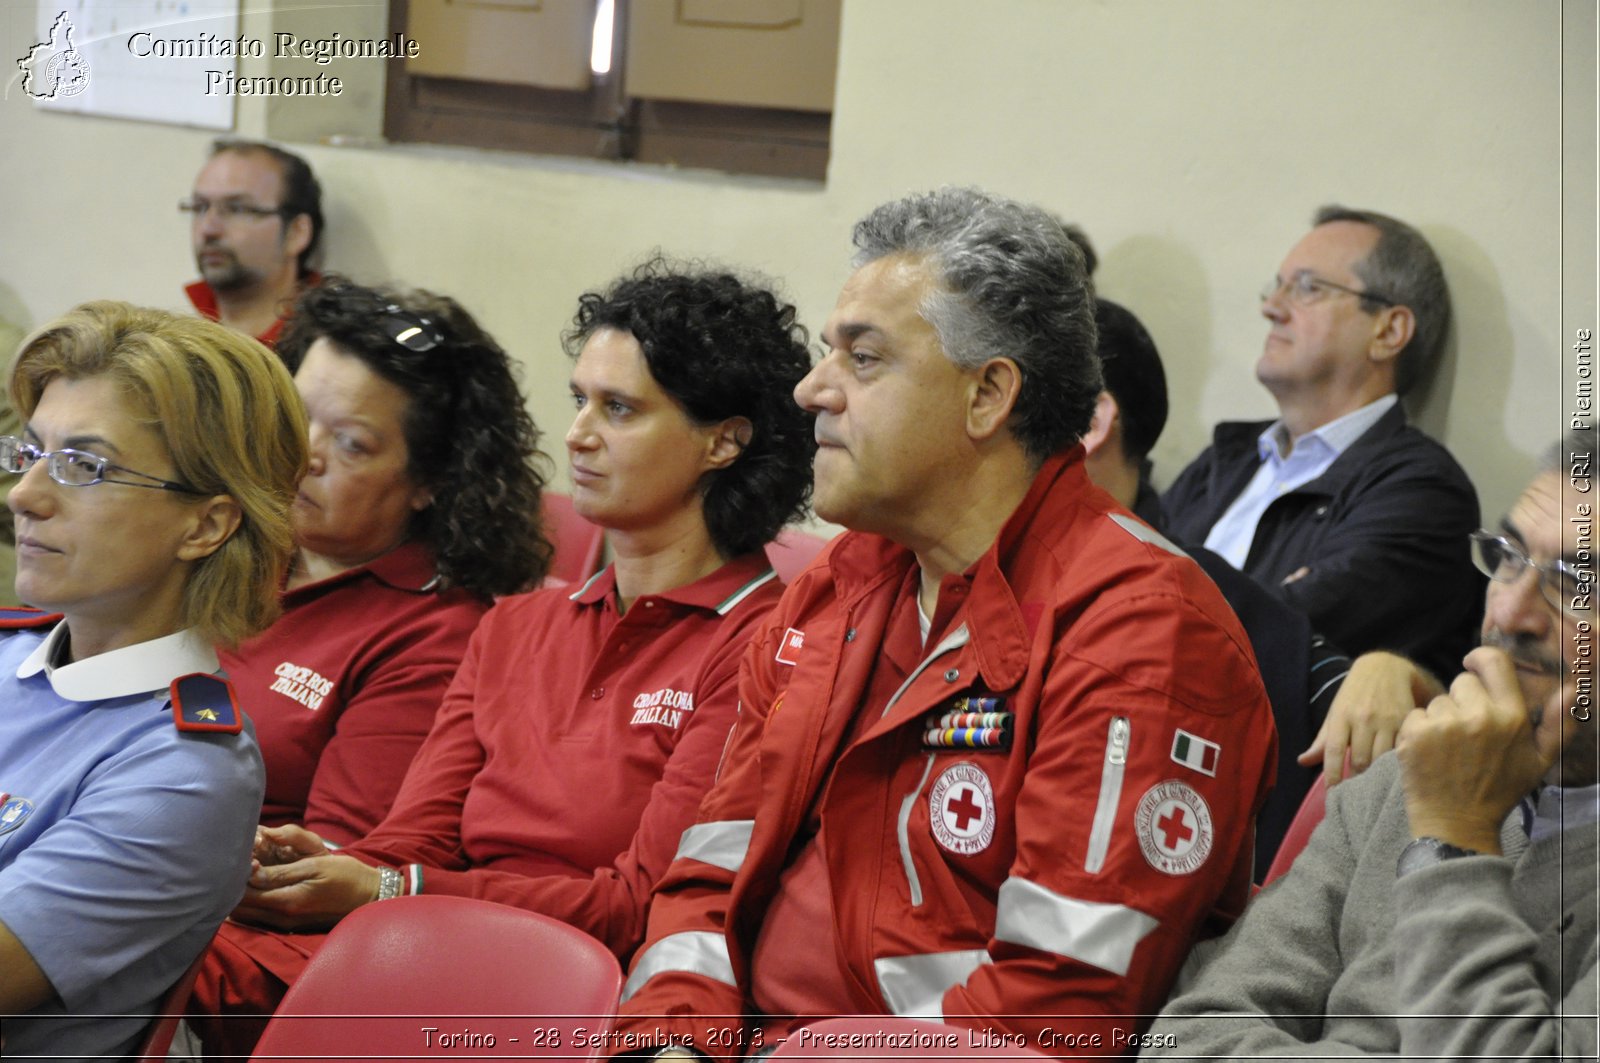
(17, 617)
(205, 702)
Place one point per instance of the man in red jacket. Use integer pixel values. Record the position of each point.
(1000, 747)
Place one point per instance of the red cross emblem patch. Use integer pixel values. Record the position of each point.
(1173, 823)
(961, 809)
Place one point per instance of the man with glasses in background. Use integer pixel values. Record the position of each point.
(256, 222)
(1445, 907)
(1339, 506)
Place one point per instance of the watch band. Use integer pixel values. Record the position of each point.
(390, 884)
(1427, 852)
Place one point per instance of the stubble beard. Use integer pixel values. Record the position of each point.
(227, 276)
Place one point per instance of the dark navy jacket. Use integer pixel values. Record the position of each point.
(1383, 532)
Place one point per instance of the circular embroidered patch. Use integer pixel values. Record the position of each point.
(1174, 827)
(12, 812)
(961, 809)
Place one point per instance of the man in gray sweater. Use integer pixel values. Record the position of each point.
(1446, 905)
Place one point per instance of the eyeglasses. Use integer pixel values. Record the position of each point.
(1305, 287)
(1564, 586)
(227, 209)
(76, 468)
(411, 331)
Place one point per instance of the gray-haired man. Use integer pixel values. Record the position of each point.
(1445, 907)
(1000, 747)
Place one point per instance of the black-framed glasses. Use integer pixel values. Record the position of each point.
(227, 209)
(1503, 561)
(411, 331)
(77, 468)
(1304, 287)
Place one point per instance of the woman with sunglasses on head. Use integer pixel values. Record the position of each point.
(584, 725)
(420, 505)
(157, 460)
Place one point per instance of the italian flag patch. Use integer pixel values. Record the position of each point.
(1195, 752)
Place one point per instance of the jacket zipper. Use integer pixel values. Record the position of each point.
(1105, 812)
(903, 831)
(955, 640)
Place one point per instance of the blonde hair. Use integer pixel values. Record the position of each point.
(227, 411)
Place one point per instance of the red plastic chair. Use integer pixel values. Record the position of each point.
(578, 543)
(792, 551)
(164, 1027)
(425, 977)
(934, 1040)
(1305, 821)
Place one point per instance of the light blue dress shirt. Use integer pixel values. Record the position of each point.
(1283, 469)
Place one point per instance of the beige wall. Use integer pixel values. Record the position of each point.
(1191, 140)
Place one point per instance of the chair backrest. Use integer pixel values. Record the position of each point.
(1305, 821)
(843, 1038)
(792, 551)
(417, 976)
(164, 1026)
(578, 543)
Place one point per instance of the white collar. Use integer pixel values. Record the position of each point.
(136, 669)
(1337, 435)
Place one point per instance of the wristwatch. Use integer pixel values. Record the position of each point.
(1426, 852)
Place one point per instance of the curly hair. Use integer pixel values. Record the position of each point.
(469, 436)
(721, 347)
(227, 413)
(1011, 283)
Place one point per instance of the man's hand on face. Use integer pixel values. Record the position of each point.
(1472, 754)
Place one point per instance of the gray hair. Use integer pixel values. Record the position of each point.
(1575, 448)
(1010, 284)
(1403, 267)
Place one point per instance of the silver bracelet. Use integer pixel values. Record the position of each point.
(390, 884)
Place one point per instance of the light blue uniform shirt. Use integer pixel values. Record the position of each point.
(1282, 470)
(1564, 808)
(123, 841)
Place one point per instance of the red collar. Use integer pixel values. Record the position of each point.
(719, 592)
(204, 301)
(408, 567)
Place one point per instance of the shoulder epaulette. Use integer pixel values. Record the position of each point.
(16, 617)
(205, 702)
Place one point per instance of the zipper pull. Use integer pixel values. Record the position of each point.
(1117, 743)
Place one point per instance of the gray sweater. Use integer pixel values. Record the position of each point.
(1484, 957)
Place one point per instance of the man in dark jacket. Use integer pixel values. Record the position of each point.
(1301, 669)
(1339, 507)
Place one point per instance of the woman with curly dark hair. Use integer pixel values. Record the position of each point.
(583, 728)
(420, 505)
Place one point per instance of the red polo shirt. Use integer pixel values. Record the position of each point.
(343, 688)
(574, 746)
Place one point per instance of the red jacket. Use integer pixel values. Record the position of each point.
(1057, 884)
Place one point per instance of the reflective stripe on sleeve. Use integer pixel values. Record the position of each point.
(915, 985)
(702, 952)
(720, 844)
(1103, 935)
(1146, 534)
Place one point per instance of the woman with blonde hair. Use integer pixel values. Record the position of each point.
(156, 463)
